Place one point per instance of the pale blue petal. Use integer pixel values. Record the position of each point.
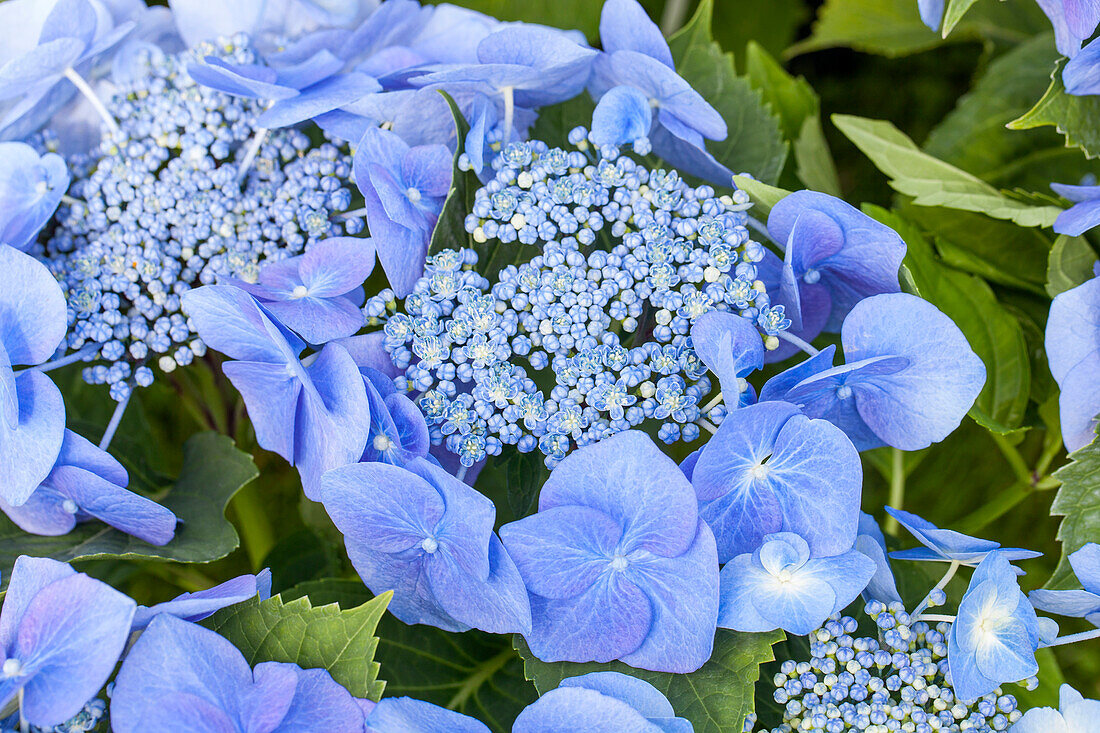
(28, 452)
(622, 116)
(580, 710)
(114, 505)
(625, 26)
(201, 604)
(498, 605)
(406, 715)
(32, 309)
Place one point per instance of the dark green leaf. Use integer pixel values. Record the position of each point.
(799, 111)
(894, 27)
(716, 698)
(298, 557)
(932, 182)
(993, 333)
(739, 22)
(526, 474)
(1078, 501)
(753, 143)
(999, 251)
(474, 673)
(313, 637)
(450, 229)
(213, 471)
(1070, 264)
(974, 137)
(1078, 118)
(554, 122)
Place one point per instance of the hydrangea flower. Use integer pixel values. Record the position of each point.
(200, 604)
(428, 537)
(931, 12)
(834, 256)
(871, 542)
(770, 469)
(316, 414)
(731, 347)
(1085, 212)
(269, 20)
(909, 379)
(1073, 352)
(408, 715)
(32, 413)
(779, 586)
(1085, 602)
(403, 189)
(617, 561)
(598, 702)
(649, 95)
(88, 483)
(995, 634)
(398, 432)
(1075, 715)
(947, 545)
(31, 187)
(314, 294)
(1074, 22)
(61, 633)
(181, 677)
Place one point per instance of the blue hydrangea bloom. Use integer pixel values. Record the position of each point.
(676, 117)
(398, 431)
(931, 12)
(61, 633)
(947, 545)
(871, 542)
(731, 347)
(779, 586)
(618, 562)
(181, 677)
(1085, 212)
(408, 715)
(1084, 602)
(995, 634)
(69, 38)
(201, 604)
(909, 380)
(31, 187)
(403, 190)
(273, 21)
(428, 537)
(599, 702)
(1074, 22)
(297, 93)
(315, 414)
(32, 412)
(834, 256)
(1073, 352)
(317, 294)
(88, 483)
(1075, 715)
(769, 469)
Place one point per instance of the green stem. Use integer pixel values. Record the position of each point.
(995, 509)
(480, 675)
(1012, 455)
(186, 578)
(257, 534)
(897, 487)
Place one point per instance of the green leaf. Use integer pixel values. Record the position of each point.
(213, 471)
(474, 673)
(526, 474)
(716, 698)
(739, 22)
(554, 122)
(582, 15)
(799, 110)
(299, 557)
(994, 333)
(954, 12)
(998, 251)
(894, 27)
(313, 637)
(1078, 118)
(1078, 501)
(932, 182)
(1070, 264)
(450, 229)
(754, 143)
(974, 136)
(763, 196)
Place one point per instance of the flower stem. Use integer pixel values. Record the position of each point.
(89, 93)
(704, 423)
(897, 487)
(250, 154)
(1012, 455)
(954, 568)
(509, 115)
(461, 475)
(935, 617)
(1074, 638)
(756, 224)
(116, 418)
(24, 726)
(356, 214)
(673, 16)
(63, 361)
(713, 403)
(790, 338)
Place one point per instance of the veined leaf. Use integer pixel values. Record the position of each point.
(932, 182)
(995, 334)
(1070, 264)
(450, 228)
(753, 141)
(716, 697)
(1078, 118)
(313, 637)
(1078, 501)
(213, 471)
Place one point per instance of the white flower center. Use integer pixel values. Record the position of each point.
(300, 291)
(382, 443)
(618, 563)
(843, 392)
(429, 545)
(12, 668)
(413, 194)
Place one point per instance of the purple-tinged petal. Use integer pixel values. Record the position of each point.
(319, 320)
(318, 703)
(499, 605)
(1081, 75)
(32, 309)
(272, 397)
(230, 320)
(28, 452)
(336, 265)
(114, 505)
(318, 99)
(581, 710)
(731, 347)
(201, 604)
(43, 513)
(408, 715)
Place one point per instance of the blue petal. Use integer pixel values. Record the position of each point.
(201, 604)
(1078, 219)
(1076, 603)
(253, 81)
(730, 346)
(124, 510)
(622, 116)
(318, 99)
(931, 12)
(32, 309)
(416, 716)
(625, 26)
(872, 543)
(42, 514)
(317, 702)
(31, 187)
(1082, 74)
(499, 604)
(28, 452)
(230, 320)
(1086, 566)
(336, 265)
(638, 694)
(200, 20)
(580, 710)
(272, 397)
